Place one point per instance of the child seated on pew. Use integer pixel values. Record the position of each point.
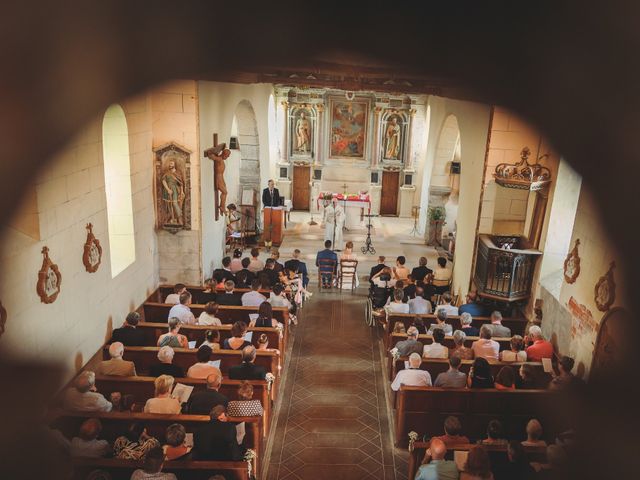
(176, 446)
(86, 444)
(208, 316)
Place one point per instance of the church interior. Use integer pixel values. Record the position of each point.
(371, 193)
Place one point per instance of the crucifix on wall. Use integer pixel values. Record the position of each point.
(218, 153)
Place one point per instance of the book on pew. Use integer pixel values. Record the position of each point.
(460, 457)
(215, 363)
(192, 344)
(248, 336)
(182, 392)
(188, 440)
(547, 366)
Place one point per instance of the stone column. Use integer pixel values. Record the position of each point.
(409, 160)
(376, 137)
(285, 134)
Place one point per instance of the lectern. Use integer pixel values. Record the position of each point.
(272, 220)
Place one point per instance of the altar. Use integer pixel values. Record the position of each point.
(355, 206)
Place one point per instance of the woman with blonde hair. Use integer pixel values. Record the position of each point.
(163, 402)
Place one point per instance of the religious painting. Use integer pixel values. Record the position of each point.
(3, 319)
(605, 290)
(348, 129)
(572, 264)
(49, 279)
(92, 251)
(302, 131)
(173, 187)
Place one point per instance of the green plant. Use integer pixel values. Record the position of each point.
(437, 214)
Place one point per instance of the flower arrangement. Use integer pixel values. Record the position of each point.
(437, 214)
(270, 378)
(249, 457)
(394, 353)
(413, 436)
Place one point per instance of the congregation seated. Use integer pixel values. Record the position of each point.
(400, 272)
(435, 466)
(377, 268)
(269, 276)
(298, 266)
(249, 275)
(517, 465)
(253, 298)
(181, 311)
(166, 367)
(472, 307)
(172, 338)
(419, 305)
(465, 322)
(452, 378)
(116, 365)
(452, 432)
(236, 262)
(505, 380)
(485, 347)
(152, 469)
(556, 466)
(398, 327)
(275, 256)
(477, 465)
(566, 380)
(437, 348)
(128, 335)
(202, 368)
(526, 377)
(175, 446)
(246, 405)
(228, 298)
(202, 401)
(86, 444)
(174, 298)
(411, 344)
(217, 439)
(242, 279)
(135, 443)
(208, 315)
(247, 370)
(421, 271)
(236, 341)
(162, 402)
(497, 329)
(255, 264)
(442, 275)
(278, 297)
(539, 348)
(441, 323)
(265, 316)
(212, 340)
(263, 344)
(459, 349)
(397, 305)
(495, 434)
(516, 353)
(418, 323)
(224, 273)
(83, 395)
(534, 434)
(480, 374)
(323, 256)
(384, 278)
(412, 376)
(446, 305)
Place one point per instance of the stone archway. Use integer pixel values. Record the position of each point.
(247, 132)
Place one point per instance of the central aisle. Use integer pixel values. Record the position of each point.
(333, 421)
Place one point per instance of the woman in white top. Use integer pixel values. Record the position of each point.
(442, 275)
(436, 349)
(348, 254)
(212, 340)
(517, 353)
(384, 278)
(208, 316)
(397, 306)
(162, 402)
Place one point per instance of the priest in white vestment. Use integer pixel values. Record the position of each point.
(333, 222)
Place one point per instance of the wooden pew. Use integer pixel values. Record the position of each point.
(424, 409)
(435, 366)
(448, 340)
(497, 454)
(197, 333)
(115, 424)
(183, 469)
(142, 389)
(517, 325)
(198, 293)
(144, 357)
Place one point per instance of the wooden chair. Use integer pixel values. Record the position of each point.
(327, 268)
(348, 270)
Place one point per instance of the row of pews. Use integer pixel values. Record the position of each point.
(154, 323)
(420, 411)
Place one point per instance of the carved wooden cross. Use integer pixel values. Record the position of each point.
(209, 153)
(344, 189)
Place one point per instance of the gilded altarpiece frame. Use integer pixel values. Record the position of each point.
(348, 128)
(394, 128)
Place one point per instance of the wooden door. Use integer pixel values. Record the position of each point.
(389, 195)
(301, 188)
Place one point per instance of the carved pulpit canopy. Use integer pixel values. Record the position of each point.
(173, 187)
(523, 175)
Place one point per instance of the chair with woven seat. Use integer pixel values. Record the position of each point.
(348, 272)
(326, 272)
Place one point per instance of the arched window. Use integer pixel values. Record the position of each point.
(117, 179)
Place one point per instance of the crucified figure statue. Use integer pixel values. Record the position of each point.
(219, 154)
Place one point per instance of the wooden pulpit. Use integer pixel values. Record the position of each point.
(272, 221)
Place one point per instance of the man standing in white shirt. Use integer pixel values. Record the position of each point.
(446, 306)
(182, 311)
(412, 376)
(436, 349)
(419, 305)
(253, 298)
(485, 347)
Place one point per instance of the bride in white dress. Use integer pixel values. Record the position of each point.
(348, 254)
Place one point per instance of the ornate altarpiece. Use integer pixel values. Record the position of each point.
(173, 187)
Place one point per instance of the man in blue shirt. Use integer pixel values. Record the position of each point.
(435, 467)
(472, 307)
(327, 254)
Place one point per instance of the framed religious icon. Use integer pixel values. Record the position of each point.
(605, 290)
(394, 126)
(173, 187)
(49, 279)
(348, 129)
(92, 251)
(572, 264)
(302, 131)
(3, 319)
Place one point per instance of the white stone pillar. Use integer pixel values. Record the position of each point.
(285, 133)
(376, 137)
(409, 149)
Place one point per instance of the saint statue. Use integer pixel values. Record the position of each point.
(173, 194)
(392, 138)
(303, 134)
(334, 217)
